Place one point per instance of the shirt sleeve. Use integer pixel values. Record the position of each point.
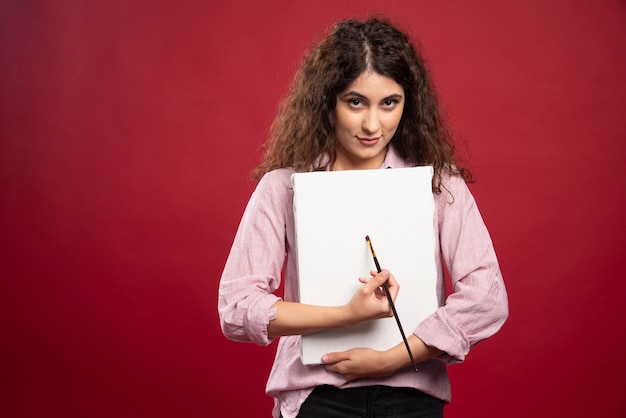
(478, 305)
(253, 268)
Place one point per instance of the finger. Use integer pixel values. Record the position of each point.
(380, 278)
(333, 358)
(393, 286)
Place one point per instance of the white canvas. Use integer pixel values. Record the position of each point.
(334, 212)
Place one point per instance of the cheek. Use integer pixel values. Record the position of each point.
(393, 120)
(345, 121)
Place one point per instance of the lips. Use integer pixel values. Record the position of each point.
(369, 141)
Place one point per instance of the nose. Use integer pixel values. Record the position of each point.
(371, 121)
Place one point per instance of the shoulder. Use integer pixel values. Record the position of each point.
(279, 175)
(452, 180)
(276, 182)
(272, 196)
(454, 190)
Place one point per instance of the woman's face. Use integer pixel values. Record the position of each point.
(367, 114)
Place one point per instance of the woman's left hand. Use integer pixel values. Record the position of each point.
(358, 363)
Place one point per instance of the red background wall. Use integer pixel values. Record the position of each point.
(127, 133)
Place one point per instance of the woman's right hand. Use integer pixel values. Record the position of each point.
(370, 301)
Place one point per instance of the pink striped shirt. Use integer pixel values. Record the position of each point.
(264, 244)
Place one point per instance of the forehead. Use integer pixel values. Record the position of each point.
(370, 83)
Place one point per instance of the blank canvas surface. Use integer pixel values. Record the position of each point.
(334, 211)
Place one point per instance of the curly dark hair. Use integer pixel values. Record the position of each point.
(304, 126)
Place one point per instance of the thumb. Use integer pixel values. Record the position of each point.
(381, 277)
(331, 358)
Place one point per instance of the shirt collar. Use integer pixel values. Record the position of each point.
(393, 159)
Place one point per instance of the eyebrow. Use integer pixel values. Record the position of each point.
(360, 96)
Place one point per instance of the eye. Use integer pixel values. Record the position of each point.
(390, 103)
(354, 102)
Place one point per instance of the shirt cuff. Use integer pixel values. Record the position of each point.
(257, 324)
(440, 332)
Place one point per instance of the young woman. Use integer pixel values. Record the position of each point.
(362, 99)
